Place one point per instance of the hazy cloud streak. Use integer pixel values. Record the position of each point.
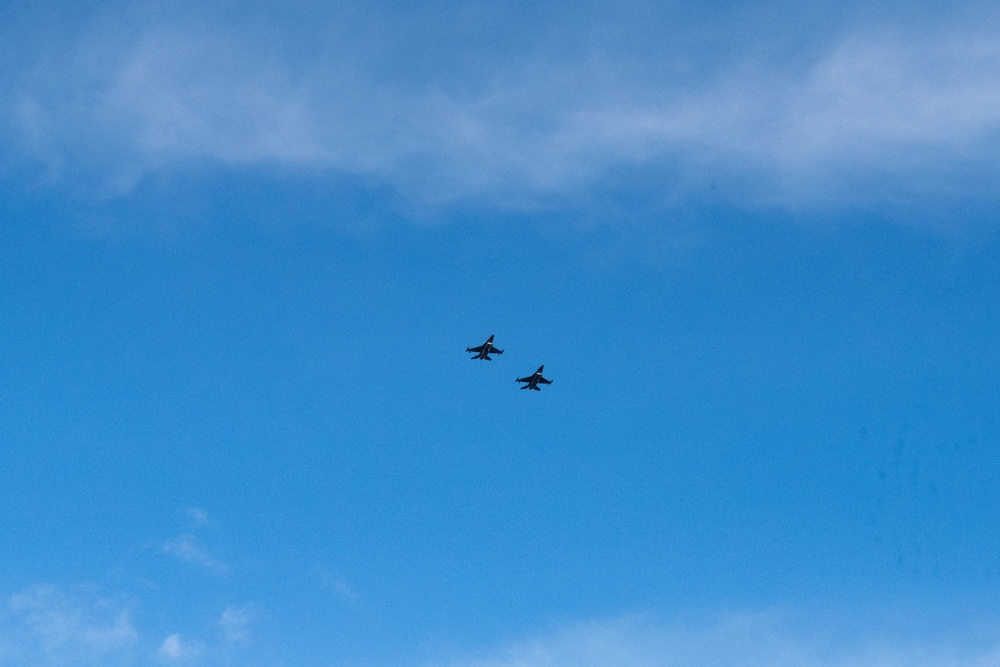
(870, 114)
(747, 641)
(44, 626)
(175, 648)
(235, 624)
(188, 548)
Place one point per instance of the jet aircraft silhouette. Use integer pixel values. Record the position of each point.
(485, 350)
(534, 380)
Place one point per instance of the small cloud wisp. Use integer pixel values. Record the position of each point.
(747, 641)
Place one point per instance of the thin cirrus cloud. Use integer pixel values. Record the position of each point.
(748, 640)
(198, 517)
(235, 623)
(78, 626)
(175, 647)
(44, 625)
(188, 548)
(872, 112)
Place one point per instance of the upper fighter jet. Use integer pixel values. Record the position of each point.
(485, 350)
(534, 380)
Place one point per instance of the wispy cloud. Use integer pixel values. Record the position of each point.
(874, 113)
(235, 623)
(81, 626)
(188, 548)
(198, 517)
(175, 649)
(755, 640)
(338, 585)
(46, 626)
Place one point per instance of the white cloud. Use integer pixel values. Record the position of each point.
(188, 548)
(199, 517)
(175, 648)
(874, 114)
(747, 641)
(46, 626)
(338, 585)
(235, 624)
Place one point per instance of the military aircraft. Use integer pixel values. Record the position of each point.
(485, 350)
(534, 380)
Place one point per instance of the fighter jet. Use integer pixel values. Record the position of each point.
(485, 350)
(534, 380)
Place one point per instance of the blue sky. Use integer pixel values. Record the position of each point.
(243, 249)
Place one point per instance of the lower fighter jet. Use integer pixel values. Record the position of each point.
(485, 350)
(534, 380)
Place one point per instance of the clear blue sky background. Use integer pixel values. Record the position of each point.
(242, 250)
